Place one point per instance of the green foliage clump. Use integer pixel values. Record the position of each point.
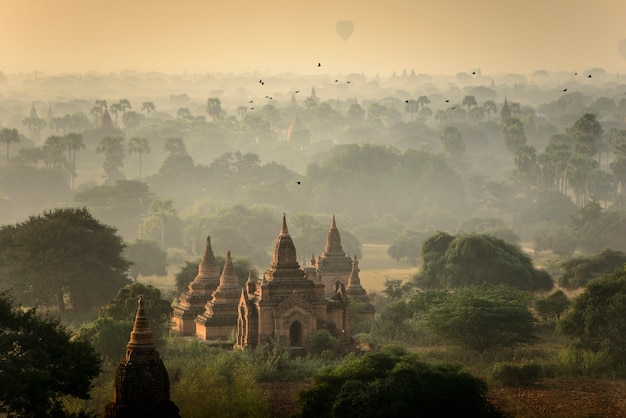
(483, 318)
(578, 271)
(320, 342)
(552, 306)
(473, 259)
(64, 253)
(40, 363)
(394, 382)
(597, 318)
(146, 258)
(512, 374)
(207, 379)
(407, 245)
(109, 334)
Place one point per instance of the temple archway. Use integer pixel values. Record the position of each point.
(295, 334)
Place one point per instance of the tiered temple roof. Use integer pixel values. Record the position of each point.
(193, 301)
(219, 319)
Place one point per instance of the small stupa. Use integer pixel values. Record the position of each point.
(142, 385)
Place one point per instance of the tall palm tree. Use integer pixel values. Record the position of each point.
(162, 209)
(73, 142)
(9, 136)
(138, 145)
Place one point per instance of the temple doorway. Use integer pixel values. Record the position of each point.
(295, 334)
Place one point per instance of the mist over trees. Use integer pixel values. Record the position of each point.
(496, 188)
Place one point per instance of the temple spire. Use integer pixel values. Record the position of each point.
(141, 337)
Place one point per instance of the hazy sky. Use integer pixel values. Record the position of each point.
(439, 36)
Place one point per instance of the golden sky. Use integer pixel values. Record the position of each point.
(275, 36)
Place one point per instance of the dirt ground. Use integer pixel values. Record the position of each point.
(553, 398)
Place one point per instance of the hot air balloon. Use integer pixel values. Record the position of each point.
(621, 47)
(345, 29)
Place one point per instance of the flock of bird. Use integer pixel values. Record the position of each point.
(319, 64)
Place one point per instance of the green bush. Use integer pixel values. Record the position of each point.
(511, 374)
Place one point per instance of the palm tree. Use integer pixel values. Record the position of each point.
(411, 107)
(113, 149)
(147, 107)
(162, 209)
(73, 142)
(490, 106)
(422, 100)
(452, 141)
(214, 108)
(138, 145)
(469, 101)
(9, 136)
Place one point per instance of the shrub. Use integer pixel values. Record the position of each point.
(511, 374)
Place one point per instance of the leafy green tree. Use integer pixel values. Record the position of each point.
(356, 114)
(597, 319)
(62, 254)
(321, 341)
(423, 100)
(9, 136)
(124, 306)
(122, 204)
(146, 258)
(140, 146)
(514, 136)
(40, 363)
(407, 245)
(113, 149)
(394, 382)
(552, 306)
(116, 109)
(132, 119)
(411, 107)
(469, 101)
(452, 141)
(108, 334)
(490, 106)
(148, 107)
(214, 108)
(97, 110)
(473, 259)
(483, 318)
(588, 134)
(578, 271)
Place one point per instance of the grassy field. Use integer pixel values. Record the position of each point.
(376, 266)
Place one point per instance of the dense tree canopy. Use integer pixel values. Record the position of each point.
(578, 271)
(40, 363)
(64, 253)
(482, 318)
(472, 259)
(597, 318)
(395, 383)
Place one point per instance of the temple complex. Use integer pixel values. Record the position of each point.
(289, 304)
(142, 385)
(219, 319)
(286, 306)
(193, 302)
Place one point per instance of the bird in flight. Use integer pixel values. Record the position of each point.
(565, 89)
(319, 64)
